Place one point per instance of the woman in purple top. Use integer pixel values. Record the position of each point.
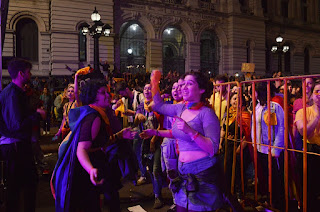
(197, 130)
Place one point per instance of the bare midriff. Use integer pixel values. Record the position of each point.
(189, 156)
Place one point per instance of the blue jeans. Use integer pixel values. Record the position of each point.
(157, 171)
(137, 148)
(169, 157)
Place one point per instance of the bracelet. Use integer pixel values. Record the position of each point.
(195, 136)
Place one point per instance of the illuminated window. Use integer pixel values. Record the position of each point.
(173, 50)
(132, 48)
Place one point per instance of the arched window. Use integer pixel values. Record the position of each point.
(27, 43)
(173, 50)
(209, 52)
(132, 48)
(306, 61)
(82, 44)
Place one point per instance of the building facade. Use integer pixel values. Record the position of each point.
(48, 32)
(214, 36)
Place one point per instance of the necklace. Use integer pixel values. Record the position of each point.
(194, 105)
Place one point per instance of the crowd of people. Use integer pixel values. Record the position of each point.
(176, 128)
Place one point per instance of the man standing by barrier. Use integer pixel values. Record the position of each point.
(220, 108)
(313, 144)
(15, 143)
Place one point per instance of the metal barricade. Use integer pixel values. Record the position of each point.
(287, 149)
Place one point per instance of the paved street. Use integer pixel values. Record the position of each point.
(130, 195)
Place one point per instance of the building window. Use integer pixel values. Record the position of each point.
(173, 50)
(132, 48)
(306, 61)
(284, 8)
(244, 6)
(82, 45)
(304, 10)
(27, 44)
(209, 53)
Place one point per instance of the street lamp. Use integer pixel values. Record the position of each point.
(280, 50)
(96, 31)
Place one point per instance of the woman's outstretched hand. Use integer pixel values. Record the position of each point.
(94, 177)
(155, 80)
(145, 134)
(128, 133)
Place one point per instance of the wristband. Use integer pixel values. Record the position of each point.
(195, 136)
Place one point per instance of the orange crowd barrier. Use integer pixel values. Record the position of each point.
(288, 148)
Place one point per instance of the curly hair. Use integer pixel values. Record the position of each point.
(89, 91)
(203, 83)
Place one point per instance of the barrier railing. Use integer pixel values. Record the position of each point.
(288, 147)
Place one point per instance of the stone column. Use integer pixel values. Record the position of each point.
(154, 55)
(193, 57)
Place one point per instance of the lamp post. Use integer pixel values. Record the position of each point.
(280, 50)
(96, 31)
